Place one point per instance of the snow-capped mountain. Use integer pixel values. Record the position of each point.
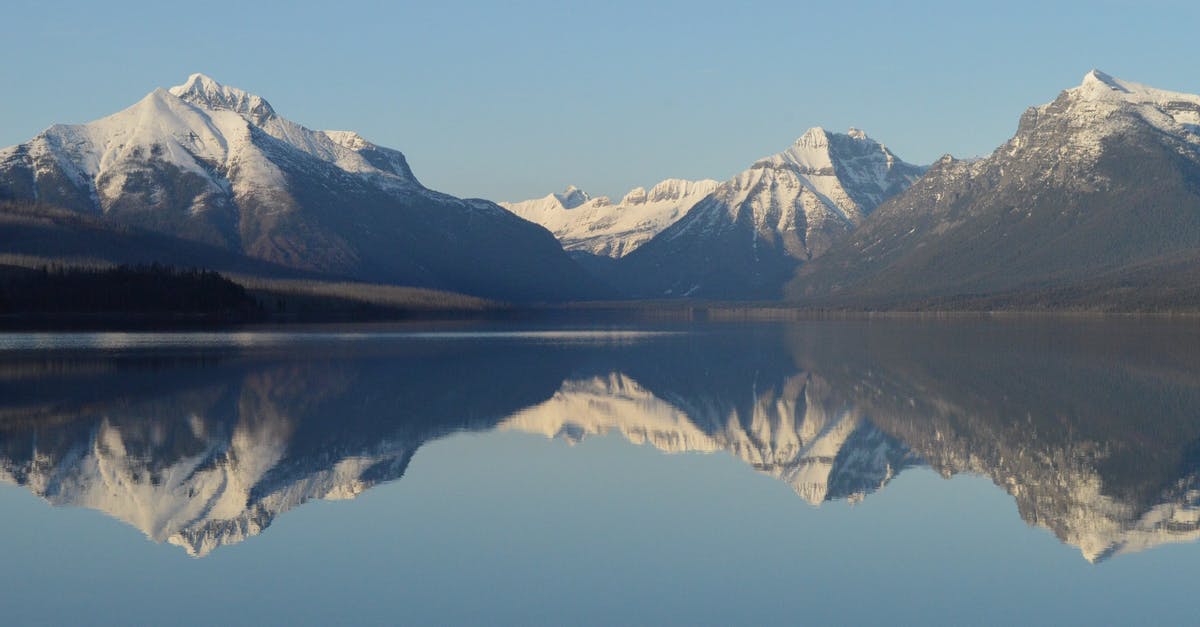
(745, 239)
(601, 227)
(1093, 201)
(214, 164)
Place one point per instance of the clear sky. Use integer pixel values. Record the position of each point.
(510, 100)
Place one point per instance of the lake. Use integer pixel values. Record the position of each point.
(950, 471)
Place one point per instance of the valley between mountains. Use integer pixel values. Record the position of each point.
(1093, 204)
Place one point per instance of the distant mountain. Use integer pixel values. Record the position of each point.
(745, 239)
(598, 226)
(1094, 202)
(216, 165)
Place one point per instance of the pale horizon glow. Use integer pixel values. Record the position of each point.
(516, 102)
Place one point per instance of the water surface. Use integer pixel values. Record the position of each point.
(960, 471)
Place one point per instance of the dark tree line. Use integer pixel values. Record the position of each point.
(142, 289)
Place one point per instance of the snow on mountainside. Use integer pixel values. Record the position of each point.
(215, 164)
(744, 239)
(200, 127)
(600, 227)
(1099, 96)
(1099, 183)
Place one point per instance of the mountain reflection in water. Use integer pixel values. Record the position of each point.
(1092, 426)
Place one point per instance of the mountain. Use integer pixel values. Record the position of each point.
(1094, 202)
(598, 226)
(217, 165)
(746, 238)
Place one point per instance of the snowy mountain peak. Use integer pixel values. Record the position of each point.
(674, 189)
(1100, 79)
(571, 197)
(815, 137)
(203, 91)
(1097, 85)
(636, 196)
(819, 152)
(1101, 107)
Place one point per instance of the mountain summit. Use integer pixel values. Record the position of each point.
(205, 92)
(217, 165)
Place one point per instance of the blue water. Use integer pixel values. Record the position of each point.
(845, 472)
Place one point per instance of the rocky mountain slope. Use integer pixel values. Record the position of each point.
(1094, 202)
(217, 165)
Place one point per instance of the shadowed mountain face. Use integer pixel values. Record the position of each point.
(1093, 428)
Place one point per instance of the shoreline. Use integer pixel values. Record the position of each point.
(572, 313)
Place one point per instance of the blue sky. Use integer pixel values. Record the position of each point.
(517, 99)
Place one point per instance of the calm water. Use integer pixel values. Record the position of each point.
(952, 472)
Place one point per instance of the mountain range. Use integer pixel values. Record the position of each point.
(1094, 203)
(598, 226)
